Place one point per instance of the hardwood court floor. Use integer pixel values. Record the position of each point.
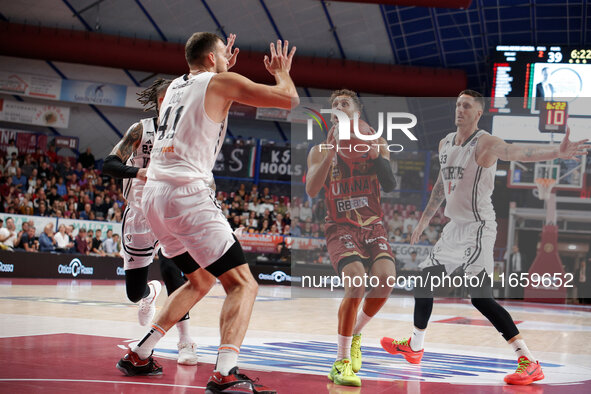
(67, 335)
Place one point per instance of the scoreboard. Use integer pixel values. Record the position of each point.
(539, 89)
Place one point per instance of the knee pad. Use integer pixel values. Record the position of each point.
(171, 274)
(136, 283)
(423, 287)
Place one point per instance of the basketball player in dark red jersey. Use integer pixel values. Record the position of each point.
(355, 236)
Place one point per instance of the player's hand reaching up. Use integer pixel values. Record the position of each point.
(571, 149)
(230, 54)
(280, 58)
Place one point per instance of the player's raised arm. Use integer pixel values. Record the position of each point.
(114, 163)
(492, 148)
(319, 161)
(283, 94)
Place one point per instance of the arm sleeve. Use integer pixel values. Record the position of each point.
(385, 174)
(114, 167)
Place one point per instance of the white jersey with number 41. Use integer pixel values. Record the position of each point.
(187, 141)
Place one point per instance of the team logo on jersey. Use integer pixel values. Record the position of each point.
(128, 237)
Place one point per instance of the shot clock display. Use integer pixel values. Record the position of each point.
(553, 117)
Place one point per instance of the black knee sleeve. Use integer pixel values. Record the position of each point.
(171, 274)
(422, 313)
(497, 315)
(136, 283)
(231, 259)
(424, 297)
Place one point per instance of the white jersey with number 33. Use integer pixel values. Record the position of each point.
(140, 158)
(187, 141)
(468, 186)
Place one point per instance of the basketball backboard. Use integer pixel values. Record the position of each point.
(569, 174)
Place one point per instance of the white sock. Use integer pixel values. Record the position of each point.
(227, 359)
(183, 327)
(362, 320)
(146, 345)
(417, 339)
(520, 348)
(344, 347)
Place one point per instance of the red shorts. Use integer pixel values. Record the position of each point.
(347, 243)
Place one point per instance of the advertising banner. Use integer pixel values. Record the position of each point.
(276, 164)
(237, 160)
(35, 114)
(30, 85)
(96, 93)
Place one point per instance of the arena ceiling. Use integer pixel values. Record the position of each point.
(370, 31)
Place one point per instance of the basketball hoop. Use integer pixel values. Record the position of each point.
(545, 186)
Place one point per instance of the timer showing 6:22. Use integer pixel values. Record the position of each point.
(581, 54)
(553, 116)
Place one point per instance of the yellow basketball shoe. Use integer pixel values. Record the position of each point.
(356, 353)
(342, 373)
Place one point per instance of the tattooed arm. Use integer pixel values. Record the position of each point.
(490, 148)
(129, 143)
(437, 197)
(114, 163)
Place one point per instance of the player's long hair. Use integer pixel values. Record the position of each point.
(149, 96)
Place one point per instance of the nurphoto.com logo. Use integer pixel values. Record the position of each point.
(361, 141)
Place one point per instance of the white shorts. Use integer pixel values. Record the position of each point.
(469, 245)
(138, 240)
(187, 218)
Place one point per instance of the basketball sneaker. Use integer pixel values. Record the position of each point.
(342, 373)
(235, 382)
(356, 353)
(147, 305)
(393, 346)
(527, 372)
(187, 353)
(131, 365)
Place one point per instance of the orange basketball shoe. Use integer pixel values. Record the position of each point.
(526, 372)
(393, 346)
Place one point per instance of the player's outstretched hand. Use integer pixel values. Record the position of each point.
(418, 231)
(570, 149)
(230, 54)
(141, 174)
(280, 58)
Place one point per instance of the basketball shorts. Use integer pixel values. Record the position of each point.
(347, 243)
(187, 218)
(468, 245)
(139, 244)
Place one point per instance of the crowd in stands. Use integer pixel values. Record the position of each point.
(263, 213)
(45, 184)
(63, 241)
(50, 185)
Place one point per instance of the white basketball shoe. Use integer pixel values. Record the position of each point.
(147, 305)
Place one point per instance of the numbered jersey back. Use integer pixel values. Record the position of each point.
(187, 140)
(140, 158)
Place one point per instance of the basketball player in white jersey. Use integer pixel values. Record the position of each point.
(138, 240)
(468, 160)
(182, 210)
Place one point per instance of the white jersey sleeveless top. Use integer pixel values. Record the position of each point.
(468, 186)
(140, 158)
(187, 140)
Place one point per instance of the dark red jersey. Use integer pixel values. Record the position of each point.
(353, 193)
